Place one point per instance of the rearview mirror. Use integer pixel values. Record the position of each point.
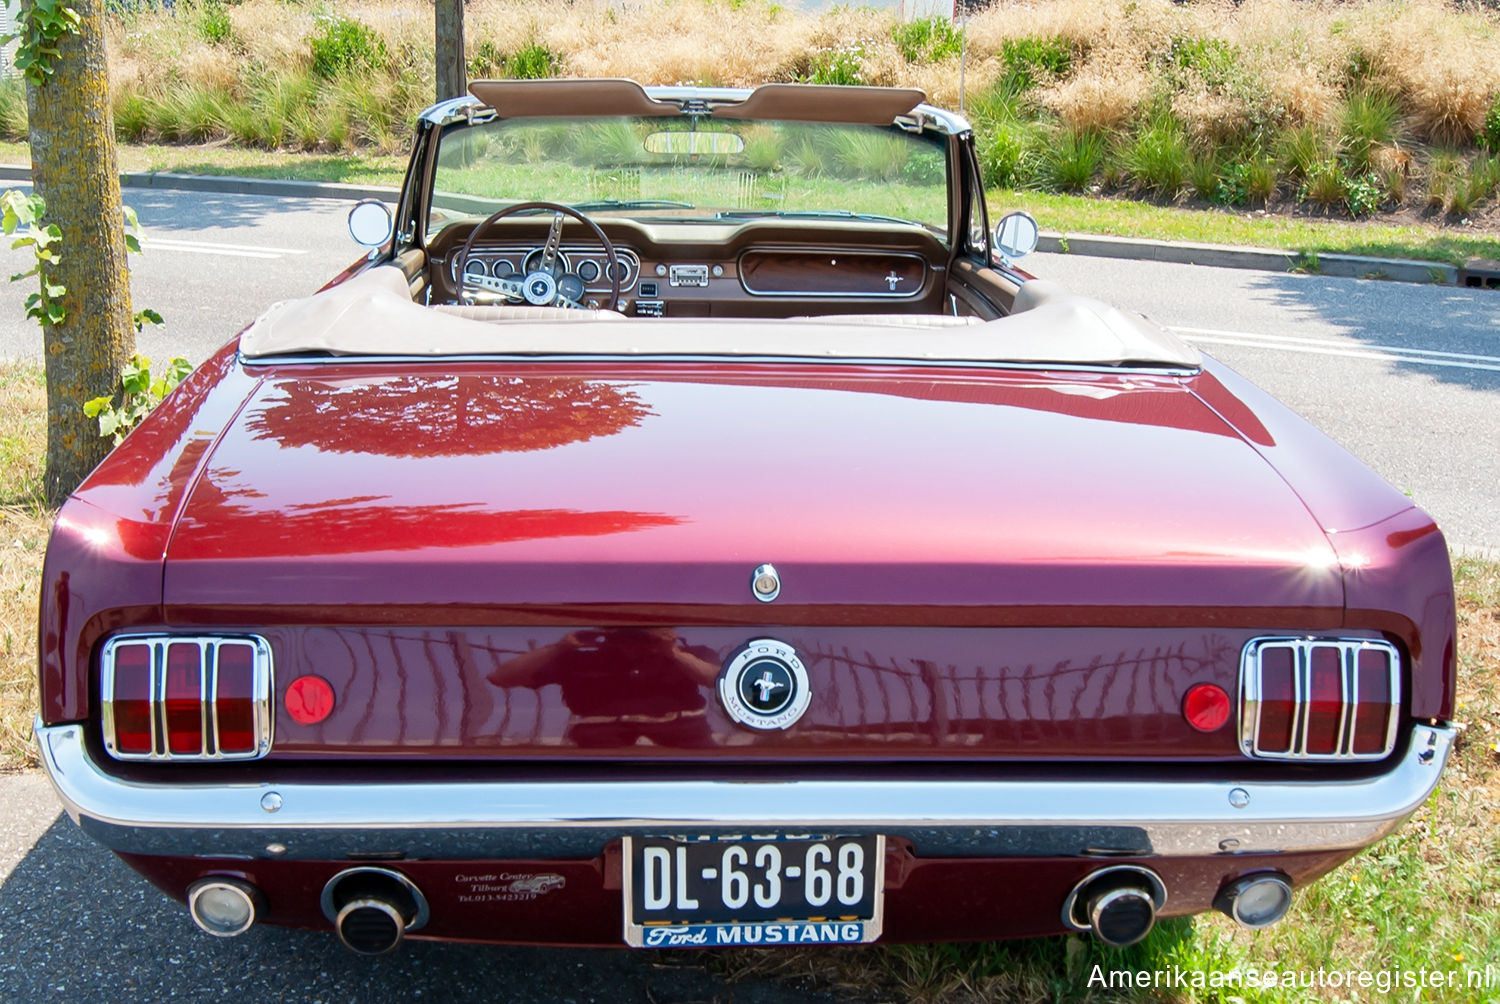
(370, 223)
(1016, 234)
(713, 144)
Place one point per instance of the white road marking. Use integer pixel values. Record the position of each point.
(1329, 347)
(213, 247)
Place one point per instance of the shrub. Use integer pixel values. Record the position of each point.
(844, 65)
(1028, 60)
(1008, 155)
(1370, 119)
(1157, 158)
(1363, 194)
(1260, 180)
(12, 108)
(927, 40)
(532, 62)
(341, 45)
(213, 23)
(1325, 184)
(763, 148)
(486, 61)
(1477, 183)
(1073, 158)
(1214, 60)
(1302, 148)
(870, 154)
(1489, 137)
(1204, 171)
(1445, 174)
(1247, 181)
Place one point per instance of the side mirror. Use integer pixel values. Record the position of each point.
(1016, 235)
(370, 223)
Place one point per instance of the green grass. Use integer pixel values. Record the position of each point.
(1124, 218)
(24, 521)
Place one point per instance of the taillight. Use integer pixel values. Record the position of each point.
(132, 724)
(1328, 699)
(186, 698)
(234, 700)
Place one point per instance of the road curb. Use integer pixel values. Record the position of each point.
(1091, 245)
(1262, 259)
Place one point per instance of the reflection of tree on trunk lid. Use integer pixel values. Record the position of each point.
(443, 415)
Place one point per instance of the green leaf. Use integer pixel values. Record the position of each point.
(132, 244)
(55, 313)
(109, 421)
(94, 405)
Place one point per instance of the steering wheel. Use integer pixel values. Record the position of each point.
(539, 287)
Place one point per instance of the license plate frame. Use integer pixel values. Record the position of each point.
(789, 921)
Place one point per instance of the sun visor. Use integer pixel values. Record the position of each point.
(824, 103)
(516, 99)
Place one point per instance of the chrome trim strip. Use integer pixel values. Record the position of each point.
(263, 689)
(938, 119)
(1174, 372)
(1302, 649)
(474, 819)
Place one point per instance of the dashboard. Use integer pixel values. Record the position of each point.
(751, 270)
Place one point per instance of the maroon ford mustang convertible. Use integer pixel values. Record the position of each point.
(687, 527)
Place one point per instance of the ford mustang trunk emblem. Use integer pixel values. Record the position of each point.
(765, 685)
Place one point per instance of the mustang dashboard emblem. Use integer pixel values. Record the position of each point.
(765, 685)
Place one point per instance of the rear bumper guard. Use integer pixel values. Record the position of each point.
(575, 819)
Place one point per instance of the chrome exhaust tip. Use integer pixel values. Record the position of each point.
(1122, 916)
(370, 926)
(1255, 901)
(1119, 904)
(222, 906)
(373, 908)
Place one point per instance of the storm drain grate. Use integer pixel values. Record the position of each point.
(1480, 273)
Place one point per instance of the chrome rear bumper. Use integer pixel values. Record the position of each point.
(575, 819)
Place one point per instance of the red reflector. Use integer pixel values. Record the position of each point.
(1325, 701)
(1372, 717)
(309, 700)
(234, 699)
(1206, 707)
(132, 699)
(1278, 695)
(184, 699)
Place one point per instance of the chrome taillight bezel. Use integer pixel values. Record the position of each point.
(263, 687)
(1302, 649)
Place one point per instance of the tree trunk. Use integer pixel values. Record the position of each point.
(452, 75)
(73, 167)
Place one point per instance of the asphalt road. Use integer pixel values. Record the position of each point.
(1408, 377)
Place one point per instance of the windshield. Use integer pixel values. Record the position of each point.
(687, 170)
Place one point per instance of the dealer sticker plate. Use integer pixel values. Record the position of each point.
(706, 892)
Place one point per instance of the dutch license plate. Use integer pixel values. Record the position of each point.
(706, 892)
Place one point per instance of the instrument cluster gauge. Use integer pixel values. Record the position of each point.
(533, 263)
(570, 286)
(475, 266)
(503, 269)
(588, 270)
